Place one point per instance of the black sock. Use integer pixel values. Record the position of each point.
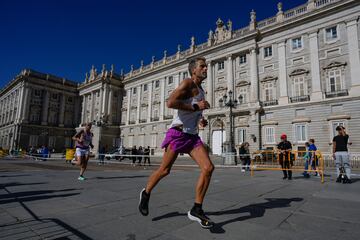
(146, 194)
(197, 206)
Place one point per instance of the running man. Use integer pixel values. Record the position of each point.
(182, 137)
(83, 143)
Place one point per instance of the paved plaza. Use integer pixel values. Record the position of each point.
(44, 200)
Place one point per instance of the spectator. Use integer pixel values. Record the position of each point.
(133, 152)
(147, 155)
(140, 152)
(306, 160)
(44, 152)
(285, 156)
(244, 156)
(121, 152)
(312, 153)
(102, 151)
(341, 155)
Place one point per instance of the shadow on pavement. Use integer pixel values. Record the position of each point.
(15, 184)
(19, 175)
(120, 177)
(34, 195)
(255, 210)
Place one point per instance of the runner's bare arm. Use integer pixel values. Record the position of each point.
(182, 92)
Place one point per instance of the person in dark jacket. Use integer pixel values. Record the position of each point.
(284, 148)
(244, 156)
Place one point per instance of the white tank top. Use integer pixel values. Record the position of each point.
(187, 119)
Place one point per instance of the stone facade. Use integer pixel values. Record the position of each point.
(38, 109)
(295, 73)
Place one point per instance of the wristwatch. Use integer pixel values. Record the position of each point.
(196, 107)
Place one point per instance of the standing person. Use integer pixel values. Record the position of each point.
(341, 155)
(102, 151)
(284, 156)
(147, 155)
(182, 137)
(312, 154)
(244, 156)
(140, 154)
(133, 153)
(307, 160)
(83, 143)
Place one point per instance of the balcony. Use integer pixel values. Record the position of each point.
(270, 103)
(168, 117)
(296, 99)
(340, 93)
(142, 121)
(131, 122)
(154, 119)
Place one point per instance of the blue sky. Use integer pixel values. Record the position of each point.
(65, 38)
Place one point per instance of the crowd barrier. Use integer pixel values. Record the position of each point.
(289, 160)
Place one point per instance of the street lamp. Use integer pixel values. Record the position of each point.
(229, 101)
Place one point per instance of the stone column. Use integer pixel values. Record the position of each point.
(45, 109)
(162, 98)
(101, 102)
(316, 93)
(128, 106)
(254, 87)
(105, 100)
(209, 84)
(83, 109)
(229, 74)
(138, 107)
(284, 98)
(176, 84)
(20, 104)
(150, 89)
(77, 110)
(26, 104)
(92, 106)
(110, 102)
(353, 42)
(62, 110)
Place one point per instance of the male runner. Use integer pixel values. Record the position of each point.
(182, 137)
(83, 143)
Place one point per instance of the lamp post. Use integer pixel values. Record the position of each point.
(230, 102)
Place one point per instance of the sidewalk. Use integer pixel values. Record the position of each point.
(45, 201)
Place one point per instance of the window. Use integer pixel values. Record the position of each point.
(299, 86)
(185, 75)
(269, 135)
(221, 66)
(68, 142)
(145, 87)
(131, 141)
(243, 95)
(52, 141)
(334, 82)
(37, 93)
(267, 52)
(170, 80)
(131, 130)
(153, 140)
(269, 92)
(300, 133)
(134, 91)
(334, 125)
(54, 96)
(296, 43)
(69, 99)
(154, 127)
(242, 135)
(242, 59)
(157, 83)
(331, 34)
(33, 141)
